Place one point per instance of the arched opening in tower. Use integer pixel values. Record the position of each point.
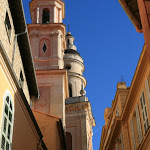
(69, 140)
(68, 41)
(70, 90)
(46, 16)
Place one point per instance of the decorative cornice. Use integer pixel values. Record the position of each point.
(61, 72)
(49, 27)
(83, 108)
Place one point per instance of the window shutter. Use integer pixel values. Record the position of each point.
(132, 131)
(140, 136)
(147, 91)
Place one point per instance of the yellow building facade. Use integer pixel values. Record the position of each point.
(127, 121)
(18, 127)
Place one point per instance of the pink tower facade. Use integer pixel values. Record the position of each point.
(47, 38)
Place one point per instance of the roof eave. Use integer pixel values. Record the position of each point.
(16, 8)
(131, 16)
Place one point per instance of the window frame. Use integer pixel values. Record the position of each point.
(147, 87)
(117, 111)
(11, 123)
(143, 110)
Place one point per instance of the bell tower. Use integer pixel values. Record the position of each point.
(47, 33)
(59, 71)
(47, 38)
(79, 117)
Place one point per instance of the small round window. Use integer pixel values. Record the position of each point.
(68, 66)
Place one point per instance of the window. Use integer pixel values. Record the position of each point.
(68, 66)
(7, 122)
(138, 124)
(136, 128)
(44, 48)
(117, 111)
(46, 16)
(68, 41)
(69, 140)
(144, 112)
(8, 26)
(21, 79)
(147, 91)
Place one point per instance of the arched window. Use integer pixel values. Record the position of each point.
(46, 16)
(70, 90)
(69, 140)
(68, 41)
(7, 122)
(68, 66)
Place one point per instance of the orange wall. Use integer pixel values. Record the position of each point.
(24, 136)
(49, 128)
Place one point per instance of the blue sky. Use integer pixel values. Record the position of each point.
(109, 45)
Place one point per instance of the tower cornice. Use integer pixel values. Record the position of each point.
(49, 27)
(82, 108)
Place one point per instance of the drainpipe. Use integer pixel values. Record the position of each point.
(13, 58)
(15, 42)
(32, 100)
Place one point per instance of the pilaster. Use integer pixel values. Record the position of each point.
(83, 121)
(84, 132)
(125, 132)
